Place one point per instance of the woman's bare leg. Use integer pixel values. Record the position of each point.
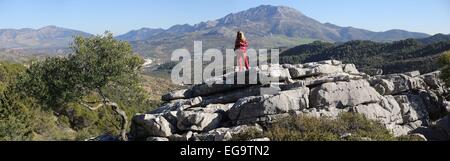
(247, 65)
(239, 60)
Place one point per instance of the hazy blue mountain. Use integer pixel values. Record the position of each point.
(141, 34)
(434, 39)
(393, 35)
(46, 37)
(178, 29)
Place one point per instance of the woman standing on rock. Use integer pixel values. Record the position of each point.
(240, 48)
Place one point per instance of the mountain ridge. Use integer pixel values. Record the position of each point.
(46, 37)
(140, 34)
(265, 26)
(290, 22)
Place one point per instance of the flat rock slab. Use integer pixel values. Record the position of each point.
(343, 94)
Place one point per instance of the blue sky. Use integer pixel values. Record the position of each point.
(120, 16)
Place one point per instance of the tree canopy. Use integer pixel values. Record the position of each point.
(444, 61)
(98, 64)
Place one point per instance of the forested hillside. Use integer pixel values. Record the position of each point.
(399, 56)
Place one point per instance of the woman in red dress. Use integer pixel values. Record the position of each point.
(240, 47)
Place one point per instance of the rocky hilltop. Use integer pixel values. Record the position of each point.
(406, 103)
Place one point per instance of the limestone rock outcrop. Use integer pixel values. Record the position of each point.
(406, 103)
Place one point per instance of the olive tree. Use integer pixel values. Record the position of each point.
(96, 64)
(444, 61)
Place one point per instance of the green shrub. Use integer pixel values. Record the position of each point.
(247, 135)
(304, 128)
(444, 61)
(346, 127)
(409, 138)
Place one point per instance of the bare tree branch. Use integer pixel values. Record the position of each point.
(91, 107)
(124, 121)
(115, 107)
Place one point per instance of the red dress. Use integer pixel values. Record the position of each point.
(241, 46)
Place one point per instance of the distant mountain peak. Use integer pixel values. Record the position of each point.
(268, 11)
(180, 28)
(140, 34)
(284, 10)
(45, 37)
(147, 29)
(50, 27)
(280, 9)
